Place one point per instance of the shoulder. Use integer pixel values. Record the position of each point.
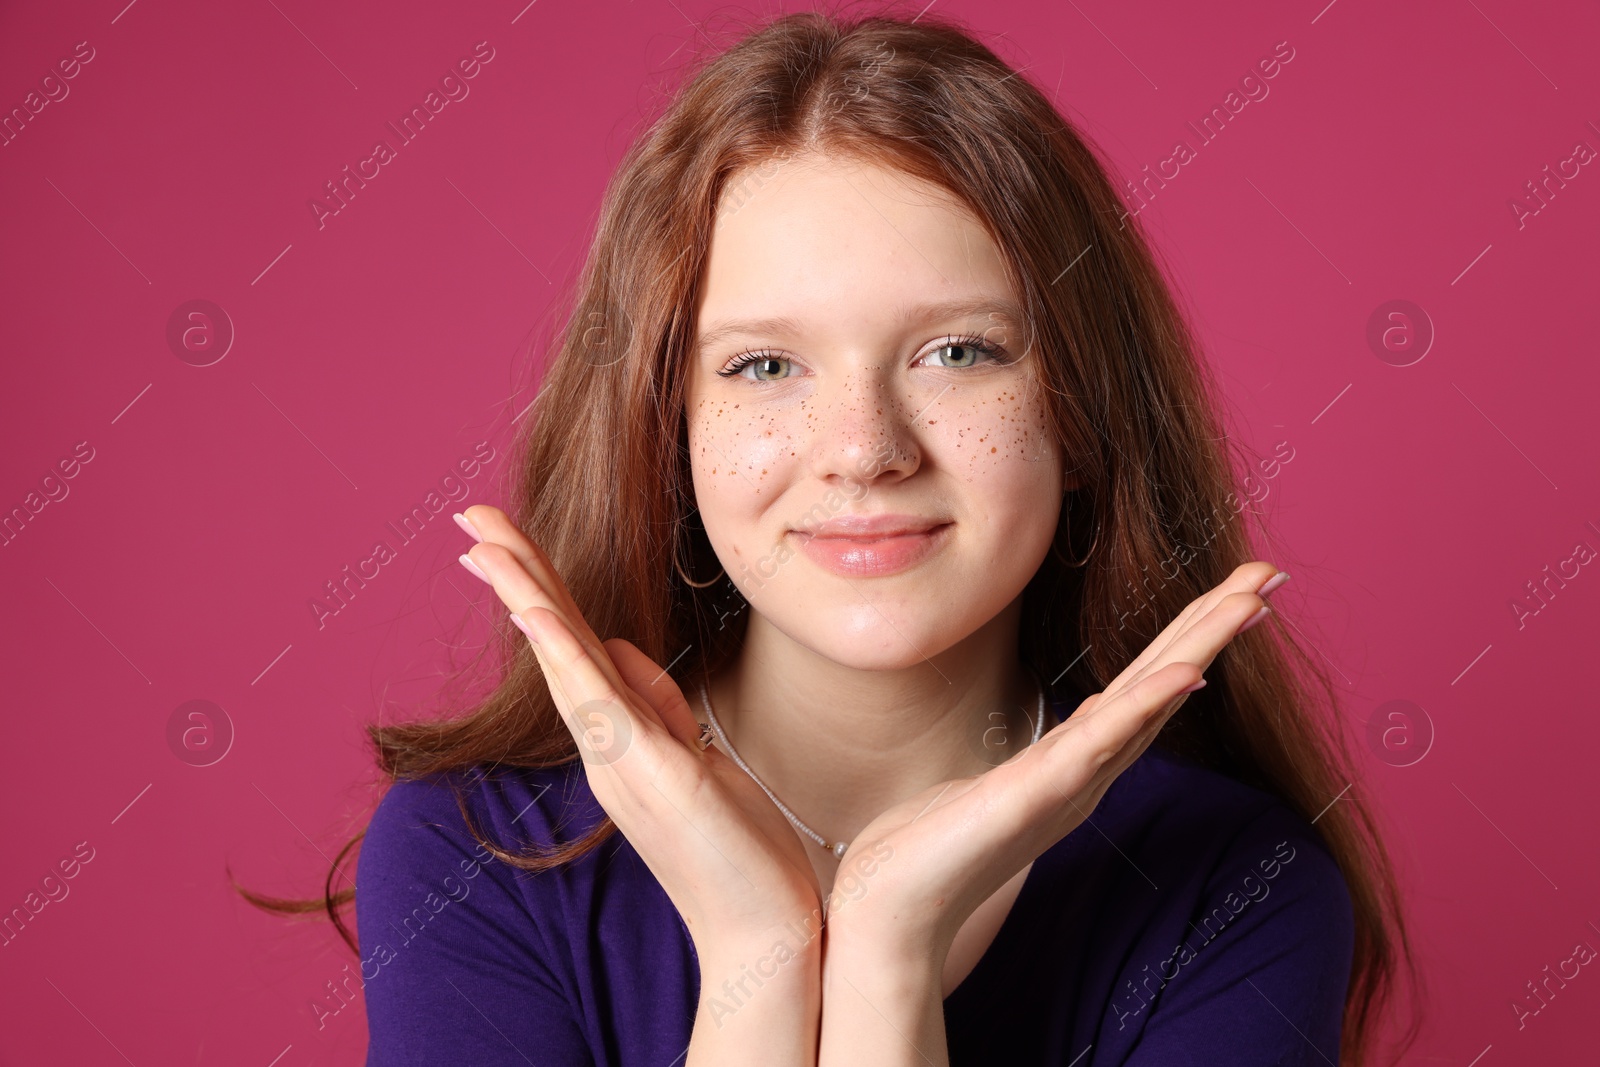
(1165, 780)
(445, 926)
(524, 806)
(425, 841)
(1252, 919)
(1175, 849)
(1229, 830)
(570, 961)
(1218, 812)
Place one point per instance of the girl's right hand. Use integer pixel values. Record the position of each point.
(725, 855)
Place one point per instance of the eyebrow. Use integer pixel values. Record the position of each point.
(944, 309)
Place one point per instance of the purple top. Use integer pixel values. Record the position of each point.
(1190, 920)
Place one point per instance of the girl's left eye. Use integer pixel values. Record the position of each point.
(973, 351)
(976, 347)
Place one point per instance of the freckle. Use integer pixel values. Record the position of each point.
(991, 449)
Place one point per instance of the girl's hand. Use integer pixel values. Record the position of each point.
(942, 853)
(728, 860)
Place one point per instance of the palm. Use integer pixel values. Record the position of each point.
(769, 830)
(954, 844)
(964, 838)
(730, 811)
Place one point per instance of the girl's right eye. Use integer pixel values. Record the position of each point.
(763, 360)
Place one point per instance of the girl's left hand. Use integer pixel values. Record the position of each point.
(954, 845)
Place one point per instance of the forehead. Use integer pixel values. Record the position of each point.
(817, 235)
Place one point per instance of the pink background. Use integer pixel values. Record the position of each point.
(371, 355)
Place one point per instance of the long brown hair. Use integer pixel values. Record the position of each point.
(1151, 528)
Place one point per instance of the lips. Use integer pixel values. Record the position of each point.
(872, 546)
(872, 527)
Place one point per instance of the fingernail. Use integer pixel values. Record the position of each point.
(1201, 684)
(473, 567)
(1273, 583)
(524, 627)
(1257, 617)
(466, 525)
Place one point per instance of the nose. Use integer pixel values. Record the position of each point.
(864, 429)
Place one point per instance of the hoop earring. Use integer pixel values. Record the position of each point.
(1068, 563)
(689, 581)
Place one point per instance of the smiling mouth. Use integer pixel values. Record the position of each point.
(872, 555)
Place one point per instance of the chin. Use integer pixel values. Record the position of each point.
(877, 637)
(895, 655)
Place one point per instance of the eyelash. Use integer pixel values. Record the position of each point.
(996, 353)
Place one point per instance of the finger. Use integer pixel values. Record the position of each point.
(590, 693)
(1247, 577)
(519, 591)
(1205, 637)
(1161, 651)
(1086, 708)
(657, 688)
(1067, 779)
(1145, 737)
(1117, 719)
(1078, 759)
(495, 527)
(552, 678)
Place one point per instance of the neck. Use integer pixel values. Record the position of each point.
(839, 745)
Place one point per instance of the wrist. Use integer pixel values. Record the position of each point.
(857, 932)
(726, 951)
(767, 997)
(883, 1002)
(895, 963)
(734, 974)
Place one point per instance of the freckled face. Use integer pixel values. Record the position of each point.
(863, 397)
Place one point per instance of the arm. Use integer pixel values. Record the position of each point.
(881, 1005)
(761, 997)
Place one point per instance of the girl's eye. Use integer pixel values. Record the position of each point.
(763, 361)
(972, 350)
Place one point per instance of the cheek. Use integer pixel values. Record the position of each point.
(738, 451)
(999, 432)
